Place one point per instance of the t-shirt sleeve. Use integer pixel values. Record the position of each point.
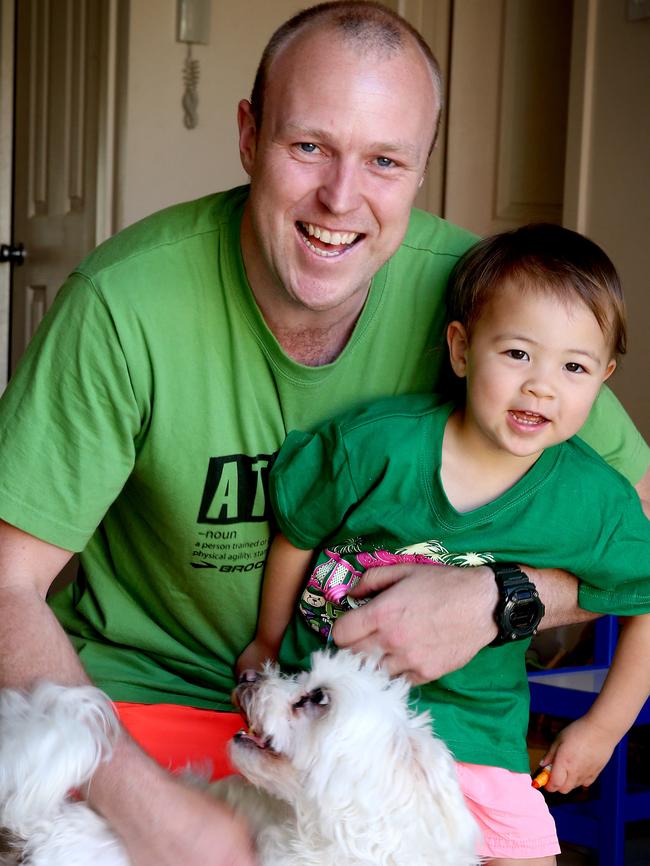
(612, 434)
(617, 580)
(311, 486)
(68, 422)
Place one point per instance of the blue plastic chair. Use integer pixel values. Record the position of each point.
(567, 693)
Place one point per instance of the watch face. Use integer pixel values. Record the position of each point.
(524, 616)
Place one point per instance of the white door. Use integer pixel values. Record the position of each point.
(64, 147)
(508, 102)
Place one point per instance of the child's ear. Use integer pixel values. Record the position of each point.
(458, 343)
(609, 370)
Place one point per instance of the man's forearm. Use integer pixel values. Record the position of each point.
(33, 645)
(559, 592)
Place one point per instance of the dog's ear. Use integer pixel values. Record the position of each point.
(314, 703)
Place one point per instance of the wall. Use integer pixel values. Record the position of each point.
(618, 183)
(161, 161)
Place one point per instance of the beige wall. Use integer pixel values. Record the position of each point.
(618, 184)
(161, 161)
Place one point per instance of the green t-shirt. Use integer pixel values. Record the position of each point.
(367, 487)
(143, 420)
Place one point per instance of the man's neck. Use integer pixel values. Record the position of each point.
(312, 345)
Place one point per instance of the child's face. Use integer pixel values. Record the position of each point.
(534, 366)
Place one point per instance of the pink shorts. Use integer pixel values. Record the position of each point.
(512, 816)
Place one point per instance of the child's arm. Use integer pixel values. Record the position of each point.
(284, 575)
(582, 749)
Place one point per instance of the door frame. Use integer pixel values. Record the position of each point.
(7, 23)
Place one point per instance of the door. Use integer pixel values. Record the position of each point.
(55, 181)
(508, 102)
(68, 83)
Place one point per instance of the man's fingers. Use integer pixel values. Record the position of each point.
(356, 630)
(379, 578)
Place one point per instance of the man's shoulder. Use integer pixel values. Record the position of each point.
(164, 230)
(431, 234)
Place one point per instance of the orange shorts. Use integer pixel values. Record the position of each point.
(179, 737)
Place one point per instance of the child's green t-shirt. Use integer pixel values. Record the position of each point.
(367, 487)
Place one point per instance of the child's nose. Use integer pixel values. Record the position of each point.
(539, 386)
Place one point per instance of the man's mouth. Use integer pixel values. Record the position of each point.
(325, 242)
(528, 419)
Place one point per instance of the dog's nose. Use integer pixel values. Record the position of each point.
(247, 676)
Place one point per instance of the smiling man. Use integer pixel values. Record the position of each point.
(334, 167)
(166, 376)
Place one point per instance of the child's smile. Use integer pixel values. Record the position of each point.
(534, 364)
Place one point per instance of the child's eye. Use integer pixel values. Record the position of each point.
(573, 367)
(517, 354)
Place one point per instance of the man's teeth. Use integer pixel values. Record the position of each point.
(328, 237)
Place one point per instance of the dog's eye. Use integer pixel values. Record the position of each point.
(316, 696)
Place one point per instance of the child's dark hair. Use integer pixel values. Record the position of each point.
(541, 257)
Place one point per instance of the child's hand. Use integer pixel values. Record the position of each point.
(254, 656)
(578, 754)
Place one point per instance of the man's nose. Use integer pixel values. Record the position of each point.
(340, 189)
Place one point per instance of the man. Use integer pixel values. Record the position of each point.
(184, 350)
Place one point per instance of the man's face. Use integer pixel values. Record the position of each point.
(334, 169)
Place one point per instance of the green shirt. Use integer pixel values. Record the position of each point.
(368, 486)
(142, 422)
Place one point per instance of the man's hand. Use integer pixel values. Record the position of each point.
(163, 821)
(426, 621)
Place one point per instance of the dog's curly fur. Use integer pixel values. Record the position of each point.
(336, 769)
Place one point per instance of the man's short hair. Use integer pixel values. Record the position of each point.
(371, 26)
(546, 258)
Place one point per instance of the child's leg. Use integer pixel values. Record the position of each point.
(538, 861)
(516, 826)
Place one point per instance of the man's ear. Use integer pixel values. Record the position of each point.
(609, 370)
(458, 343)
(247, 136)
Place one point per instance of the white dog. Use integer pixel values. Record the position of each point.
(336, 770)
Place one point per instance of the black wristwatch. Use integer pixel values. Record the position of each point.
(519, 609)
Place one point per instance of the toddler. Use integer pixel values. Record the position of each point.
(536, 323)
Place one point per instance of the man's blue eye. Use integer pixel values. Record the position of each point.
(384, 161)
(307, 147)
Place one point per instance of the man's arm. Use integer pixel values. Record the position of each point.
(162, 822)
(428, 621)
